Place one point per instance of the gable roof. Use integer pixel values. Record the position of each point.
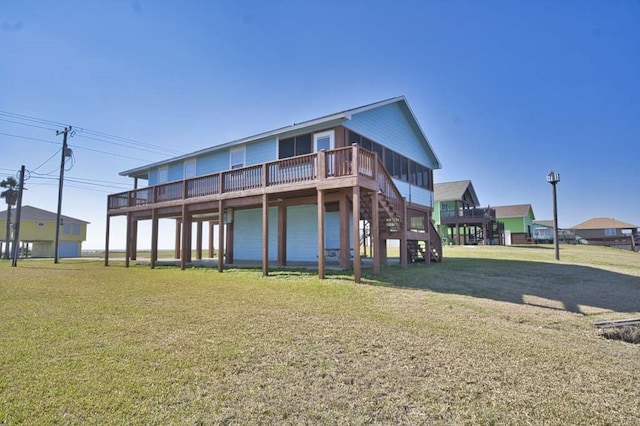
(604, 223)
(547, 223)
(34, 214)
(452, 191)
(309, 125)
(516, 210)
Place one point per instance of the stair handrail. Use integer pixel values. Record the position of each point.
(389, 189)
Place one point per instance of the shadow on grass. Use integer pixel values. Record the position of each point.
(573, 288)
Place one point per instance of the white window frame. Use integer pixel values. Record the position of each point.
(163, 172)
(189, 168)
(242, 149)
(610, 232)
(332, 139)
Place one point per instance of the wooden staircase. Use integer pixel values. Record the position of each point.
(392, 221)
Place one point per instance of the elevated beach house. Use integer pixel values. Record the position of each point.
(298, 193)
(459, 218)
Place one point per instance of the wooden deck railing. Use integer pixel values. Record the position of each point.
(475, 213)
(334, 163)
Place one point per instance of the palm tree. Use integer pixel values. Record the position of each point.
(10, 195)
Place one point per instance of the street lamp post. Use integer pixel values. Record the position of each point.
(553, 178)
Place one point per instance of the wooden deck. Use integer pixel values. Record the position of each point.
(344, 175)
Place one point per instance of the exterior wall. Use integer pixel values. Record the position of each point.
(256, 153)
(30, 231)
(596, 233)
(261, 152)
(389, 126)
(42, 249)
(513, 224)
(212, 163)
(302, 233)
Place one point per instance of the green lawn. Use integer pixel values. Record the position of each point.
(492, 335)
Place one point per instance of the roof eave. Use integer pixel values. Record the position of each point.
(333, 119)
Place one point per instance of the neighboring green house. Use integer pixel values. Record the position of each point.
(518, 222)
(38, 230)
(458, 218)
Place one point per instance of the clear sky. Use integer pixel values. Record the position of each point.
(505, 90)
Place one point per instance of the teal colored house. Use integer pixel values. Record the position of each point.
(518, 222)
(298, 193)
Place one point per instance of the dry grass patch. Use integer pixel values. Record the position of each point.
(458, 342)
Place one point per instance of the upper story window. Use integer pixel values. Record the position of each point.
(297, 145)
(237, 157)
(610, 232)
(163, 174)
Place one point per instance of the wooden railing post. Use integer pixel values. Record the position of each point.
(354, 159)
(265, 181)
(322, 166)
(375, 166)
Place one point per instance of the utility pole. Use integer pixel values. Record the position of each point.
(64, 132)
(16, 227)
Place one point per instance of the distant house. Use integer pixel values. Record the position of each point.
(518, 222)
(38, 231)
(458, 217)
(606, 231)
(542, 232)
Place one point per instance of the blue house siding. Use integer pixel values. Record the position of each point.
(153, 176)
(261, 152)
(247, 234)
(212, 163)
(390, 126)
(302, 233)
(176, 171)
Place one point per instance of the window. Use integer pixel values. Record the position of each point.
(610, 232)
(298, 145)
(163, 174)
(236, 157)
(189, 168)
(323, 141)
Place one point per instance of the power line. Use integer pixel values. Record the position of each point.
(49, 159)
(108, 153)
(26, 137)
(74, 146)
(154, 151)
(27, 124)
(87, 130)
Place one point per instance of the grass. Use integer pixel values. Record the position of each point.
(491, 335)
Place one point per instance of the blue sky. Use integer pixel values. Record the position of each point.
(505, 91)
